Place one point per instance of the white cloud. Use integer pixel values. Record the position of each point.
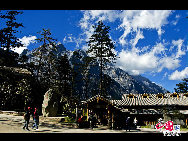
(169, 62)
(130, 21)
(93, 16)
(154, 59)
(133, 59)
(179, 43)
(179, 75)
(109, 15)
(26, 42)
(68, 39)
(71, 39)
(136, 64)
(165, 75)
(174, 22)
(173, 61)
(139, 36)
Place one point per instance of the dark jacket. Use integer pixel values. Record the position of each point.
(27, 115)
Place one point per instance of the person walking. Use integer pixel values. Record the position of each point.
(90, 121)
(128, 124)
(27, 118)
(80, 121)
(94, 121)
(36, 119)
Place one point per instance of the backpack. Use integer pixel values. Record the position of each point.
(27, 115)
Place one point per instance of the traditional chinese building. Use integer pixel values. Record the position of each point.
(147, 108)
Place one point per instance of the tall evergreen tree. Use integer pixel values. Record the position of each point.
(76, 73)
(45, 59)
(85, 72)
(64, 75)
(8, 38)
(63, 82)
(101, 48)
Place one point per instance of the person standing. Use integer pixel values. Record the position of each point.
(128, 124)
(94, 121)
(90, 121)
(27, 118)
(135, 122)
(36, 119)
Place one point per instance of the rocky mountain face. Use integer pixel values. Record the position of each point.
(119, 81)
(134, 84)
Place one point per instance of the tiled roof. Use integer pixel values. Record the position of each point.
(99, 97)
(152, 100)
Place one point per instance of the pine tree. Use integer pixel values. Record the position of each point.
(63, 82)
(45, 59)
(101, 49)
(182, 87)
(7, 35)
(76, 73)
(64, 75)
(85, 73)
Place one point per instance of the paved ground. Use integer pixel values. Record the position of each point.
(14, 124)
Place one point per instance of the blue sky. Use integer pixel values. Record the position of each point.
(152, 43)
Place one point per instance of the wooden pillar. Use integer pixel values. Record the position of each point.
(109, 122)
(87, 112)
(112, 120)
(83, 111)
(76, 112)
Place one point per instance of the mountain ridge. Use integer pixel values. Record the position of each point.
(120, 82)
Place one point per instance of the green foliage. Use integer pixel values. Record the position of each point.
(24, 88)
(63, 81)
(7, 35)
(69, 120)
(85, 73)
(64, 74)
(15, 90)
(8, 58)
(101, 48)
(182, 87)
(48, 71)
(45, 59)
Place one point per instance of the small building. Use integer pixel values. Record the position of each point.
(146, 108)
(106, 112)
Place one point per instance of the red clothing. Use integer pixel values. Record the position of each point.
(80, 120)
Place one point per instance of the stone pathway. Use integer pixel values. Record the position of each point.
(14, 124)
